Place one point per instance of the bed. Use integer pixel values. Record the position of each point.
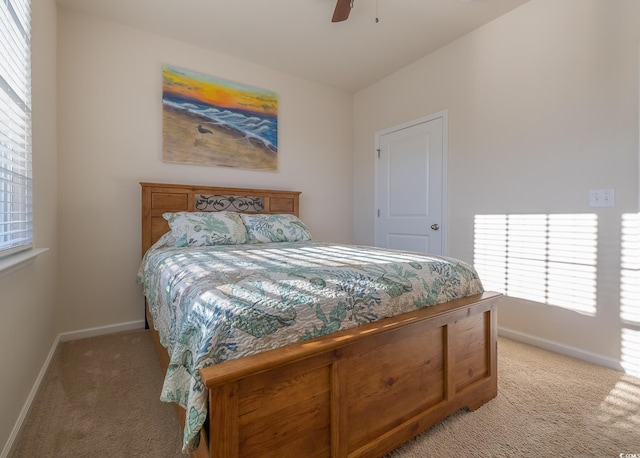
(357, 391)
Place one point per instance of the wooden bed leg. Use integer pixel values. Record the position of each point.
(491, 337)
(224, 441)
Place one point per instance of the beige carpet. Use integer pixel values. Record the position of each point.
(100, 399)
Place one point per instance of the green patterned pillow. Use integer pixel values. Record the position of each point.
(274, 228)
(206, 228)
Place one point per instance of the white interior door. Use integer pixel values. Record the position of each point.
(410, 194)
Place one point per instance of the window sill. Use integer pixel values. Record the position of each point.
(19, 260)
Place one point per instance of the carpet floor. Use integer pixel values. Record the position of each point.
(100, 399)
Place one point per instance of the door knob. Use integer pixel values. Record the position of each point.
(435, 227)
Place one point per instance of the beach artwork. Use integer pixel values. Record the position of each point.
(214, 122)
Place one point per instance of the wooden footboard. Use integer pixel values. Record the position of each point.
(356, 393)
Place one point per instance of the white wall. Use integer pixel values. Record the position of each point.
(543, 107)
(109, 88)
(28, 295)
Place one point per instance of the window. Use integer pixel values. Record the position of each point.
(16, 227)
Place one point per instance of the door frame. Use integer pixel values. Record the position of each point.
(444, 115)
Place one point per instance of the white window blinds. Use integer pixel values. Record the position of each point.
(16, 227)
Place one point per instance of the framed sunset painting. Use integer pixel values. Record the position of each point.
(211, 121)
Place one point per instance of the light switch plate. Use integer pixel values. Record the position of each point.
(602, 198)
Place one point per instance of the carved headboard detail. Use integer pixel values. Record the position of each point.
(158, 198)
(218, 203)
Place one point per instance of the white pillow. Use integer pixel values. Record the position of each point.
(206, 228)
(263, 227)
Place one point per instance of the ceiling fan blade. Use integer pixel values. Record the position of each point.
(341, 13)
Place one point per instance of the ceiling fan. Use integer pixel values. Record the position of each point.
(343, 8)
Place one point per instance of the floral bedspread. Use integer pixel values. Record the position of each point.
(212, 304)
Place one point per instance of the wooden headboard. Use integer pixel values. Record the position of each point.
(158, 198)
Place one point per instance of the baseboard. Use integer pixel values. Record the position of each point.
(63, 337)
(32, 395)
(102, 330)
(563, 349)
